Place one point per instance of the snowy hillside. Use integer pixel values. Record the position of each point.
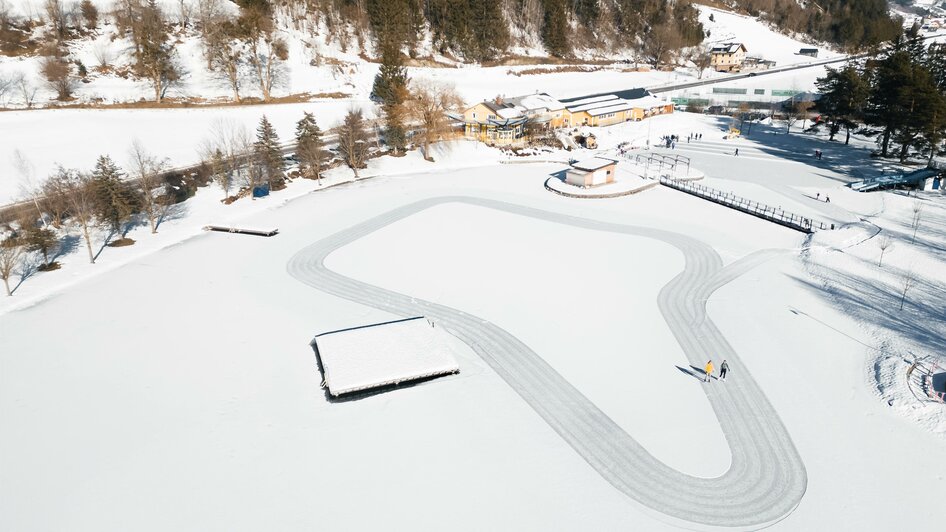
(74, 138)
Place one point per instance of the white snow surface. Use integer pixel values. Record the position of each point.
(176, 373)
(371, 356)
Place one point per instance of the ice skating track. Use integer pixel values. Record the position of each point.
(767, 478)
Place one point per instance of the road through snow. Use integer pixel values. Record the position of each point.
(767, 478)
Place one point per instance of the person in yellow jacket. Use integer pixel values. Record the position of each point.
(708, 369)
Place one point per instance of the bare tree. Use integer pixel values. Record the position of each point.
(154, 56)
(703, 60)
(797, 111)
(429, 104)
(59, 76)
(103, 54)
(79, 195)
(228, 145)
(90, 14)
(184, 10)
(28, 186)
(907, 282)
(58, 17)
(265, 51)
(883, 243)
(225, 56)
(353, 140)
(6, 85)
(661, 41)
(917, 217)
(208, 14)
(54, 192)
(26, 89)
(10, 253)
(147, 168)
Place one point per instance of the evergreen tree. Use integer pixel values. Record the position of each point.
(935, 61)
(843, 97)
(115, 200)
(353, 140)
(309, 148)
(555, 27)
(40, 239)
(887, 106)
(268, 154)
(220, 169)
(587, 12)
(390, 86)
(391, 81)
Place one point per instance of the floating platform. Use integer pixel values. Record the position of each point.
(384, 355)
(237, 230)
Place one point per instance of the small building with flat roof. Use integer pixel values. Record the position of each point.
(591, 172)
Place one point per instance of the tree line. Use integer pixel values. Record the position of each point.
(110, 200)
(900, 96)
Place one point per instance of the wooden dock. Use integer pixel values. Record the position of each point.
(237, 230)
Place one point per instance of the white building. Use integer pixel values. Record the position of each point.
(591, 172)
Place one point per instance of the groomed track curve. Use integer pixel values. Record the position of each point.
(767, 478)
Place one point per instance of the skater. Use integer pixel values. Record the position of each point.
(819, 155)
(723, 370)
(709, 370)
(818, 196)
(737, 152)
(827, 199)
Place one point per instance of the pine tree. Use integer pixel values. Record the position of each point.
(40, 239)
(353, 140)
(268, 154)
(309, 147)
(390, 86)
(555, 27)
(115, 201)
(843, 97)
(886, 104)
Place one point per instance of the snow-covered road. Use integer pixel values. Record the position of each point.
(767, 478)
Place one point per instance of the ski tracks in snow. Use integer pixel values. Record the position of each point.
(767, 478)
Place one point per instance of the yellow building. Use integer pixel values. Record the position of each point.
(607, 109)
(503, 122)
(494, 123)
(728, 57)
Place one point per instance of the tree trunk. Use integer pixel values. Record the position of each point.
(847, 140)
(6, 284)
(88, 242)
(885, 144)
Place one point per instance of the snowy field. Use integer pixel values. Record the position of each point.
(191, 401)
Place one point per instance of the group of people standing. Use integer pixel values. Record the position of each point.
(723, 370)
(671, 140)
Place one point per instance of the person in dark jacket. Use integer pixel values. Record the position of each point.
(723, 370)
